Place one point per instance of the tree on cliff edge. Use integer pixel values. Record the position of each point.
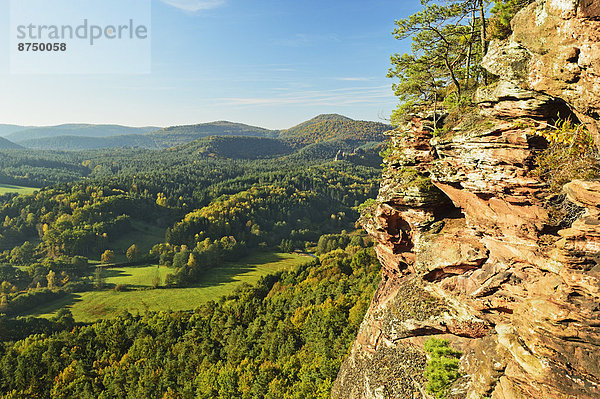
(448, 43)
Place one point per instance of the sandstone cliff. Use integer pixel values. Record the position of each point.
(476, 249)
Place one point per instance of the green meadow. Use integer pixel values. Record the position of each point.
(9, 188)
(140, 296)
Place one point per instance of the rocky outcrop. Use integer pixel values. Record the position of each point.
(475, 248)
(555, 50)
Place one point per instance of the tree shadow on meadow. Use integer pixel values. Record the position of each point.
(65, 302)
(230, 272)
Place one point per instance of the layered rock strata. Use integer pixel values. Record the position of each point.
(475, 248)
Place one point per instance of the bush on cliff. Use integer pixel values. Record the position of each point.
(442, 367)
(571, 154)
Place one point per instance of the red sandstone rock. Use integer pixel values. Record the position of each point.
(492, 273)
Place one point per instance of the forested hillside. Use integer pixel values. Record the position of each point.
(221, 128)
(6, 144)
(237, 147)
(284, 337)
(334, 127)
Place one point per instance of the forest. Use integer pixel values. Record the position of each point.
(285, 337)
(193, 213)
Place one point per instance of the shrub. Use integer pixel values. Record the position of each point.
(156, 280)
(442, 367)
(571, 154)
(367, 207)
(121, 287)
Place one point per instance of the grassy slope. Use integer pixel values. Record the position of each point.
(90, 306)
(9, 188)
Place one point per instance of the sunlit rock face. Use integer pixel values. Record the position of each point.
(475, 248)
(562, 40)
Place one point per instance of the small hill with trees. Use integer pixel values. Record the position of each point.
(219, 128)
(332, 126)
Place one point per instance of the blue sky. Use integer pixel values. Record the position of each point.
(271, 63)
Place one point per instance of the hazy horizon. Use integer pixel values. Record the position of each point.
(269, 64)
(177, 124)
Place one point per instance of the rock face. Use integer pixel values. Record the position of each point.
(555, 49)
(475, 248)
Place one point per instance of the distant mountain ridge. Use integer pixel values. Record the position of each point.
(80, 143)
(5, 130)
(322, 128)
(163, 138)
(77, 129)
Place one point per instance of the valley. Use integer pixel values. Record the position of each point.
(131, 289)
(232, 239)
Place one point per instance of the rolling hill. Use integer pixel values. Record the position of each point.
(79, 143)
(334, 127)
(81, 130)
(5, 130)
(177, 135)
(236, 147)
(219, 128)
(164, 138)
(8, 145)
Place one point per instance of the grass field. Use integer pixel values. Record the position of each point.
(93, 305)
(9, 188)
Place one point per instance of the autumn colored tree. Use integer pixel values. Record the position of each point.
(133, 253)
(107, 257)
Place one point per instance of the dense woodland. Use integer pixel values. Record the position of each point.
(216, 200)
(283, 338)
(212, 209)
